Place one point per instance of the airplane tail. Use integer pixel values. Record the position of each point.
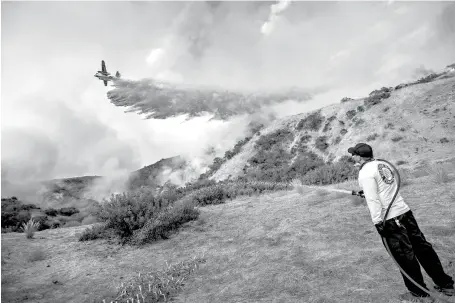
(117, 74)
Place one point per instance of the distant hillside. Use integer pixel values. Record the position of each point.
(410, 123)
(160, 100)
(154, 175)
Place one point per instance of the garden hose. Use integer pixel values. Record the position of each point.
(434, 294)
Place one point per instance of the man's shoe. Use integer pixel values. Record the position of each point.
(448, 291)
(415, 298)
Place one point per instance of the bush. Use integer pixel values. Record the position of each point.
(274, 139)
(428, 78)
(321, 143)
(376, 99)
(337, 140)
(127, 212)
(346, 99)
(30, 228)
(343, 131)
(350, 114)
(444, 140)
(372, 137)
(311, 122)
(439, 174)
(396, 138)
(304, 163)
(386, 109)
(401, 162)
(94, 232)
(51, 212)
(360, 108)
(338, 172)
(165, 223)
(359, 122)
(68, 211)
(390, 126)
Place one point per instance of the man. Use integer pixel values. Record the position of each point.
(404, 238)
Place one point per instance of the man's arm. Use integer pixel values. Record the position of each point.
(370, 190)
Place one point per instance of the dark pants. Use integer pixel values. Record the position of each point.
(409, 247)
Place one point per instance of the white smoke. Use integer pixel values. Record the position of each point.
(275, 11)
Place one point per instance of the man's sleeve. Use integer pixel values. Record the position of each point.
(370, 190)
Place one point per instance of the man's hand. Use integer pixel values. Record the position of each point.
(358, 193)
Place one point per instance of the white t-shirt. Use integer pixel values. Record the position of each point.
(379, 183)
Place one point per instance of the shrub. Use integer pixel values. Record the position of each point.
(402, 129)
(401, 162)
(274, 139)
(304, 163)
(68, 211)
(444, 140)
(321, 143)
(389, 126)
(166, 222)
(343, 131)
(51, 212)
(29, 228)
(346, 99)
(372, 137)
(428, 78)
(439, 174)
(338, 172)
(396, 138)
(341, 122)
(337, 140)
(386, 109)
(94, 232)
(350, 114)
(359, 122)
(311, 122)
(376, 97)
(360, 108)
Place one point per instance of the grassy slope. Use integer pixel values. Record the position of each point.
(279, 247)
(426, 111)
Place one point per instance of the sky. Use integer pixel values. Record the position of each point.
(56, 120)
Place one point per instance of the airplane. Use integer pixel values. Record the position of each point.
(104, 75)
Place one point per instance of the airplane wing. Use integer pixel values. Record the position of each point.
(105, 82)
(103, 66)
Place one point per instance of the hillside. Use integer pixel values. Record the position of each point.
(275, 247)
(411, 123)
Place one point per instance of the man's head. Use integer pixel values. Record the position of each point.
(361, 152)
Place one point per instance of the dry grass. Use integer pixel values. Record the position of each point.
(36, 255)
(289, 247)
(157, 286)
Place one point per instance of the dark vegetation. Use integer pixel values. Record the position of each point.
(15, 213)
(377, 96)
(311, 122)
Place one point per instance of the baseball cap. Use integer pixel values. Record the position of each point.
(362, 150)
